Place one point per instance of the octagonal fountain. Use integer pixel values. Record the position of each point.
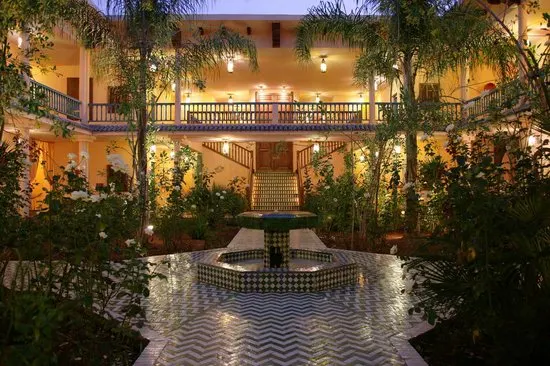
(277, 267)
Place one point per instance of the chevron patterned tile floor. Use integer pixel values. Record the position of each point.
(204, 325)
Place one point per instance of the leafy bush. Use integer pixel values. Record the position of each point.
(495, 225)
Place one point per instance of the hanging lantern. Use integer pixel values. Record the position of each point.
(323, 65)
(225, 148)
(230, 66)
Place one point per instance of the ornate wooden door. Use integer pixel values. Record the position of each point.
(274, 156)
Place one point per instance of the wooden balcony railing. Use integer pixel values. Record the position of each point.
(54, 100)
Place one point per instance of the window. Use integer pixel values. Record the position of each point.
(429, 92)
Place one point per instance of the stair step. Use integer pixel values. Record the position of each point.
(275, 191)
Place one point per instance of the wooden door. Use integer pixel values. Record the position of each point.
(73, 90)
(274, 156)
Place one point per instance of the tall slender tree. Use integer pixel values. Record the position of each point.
(400, 38)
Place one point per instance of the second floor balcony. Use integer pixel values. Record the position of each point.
(254, 113)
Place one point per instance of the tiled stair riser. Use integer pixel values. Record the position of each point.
(275, 191)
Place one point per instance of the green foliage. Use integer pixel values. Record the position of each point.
(493, 227)
(66, 262)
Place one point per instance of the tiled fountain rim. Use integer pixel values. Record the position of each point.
(228, 257)
(324, 276)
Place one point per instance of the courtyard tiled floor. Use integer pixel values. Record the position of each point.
(355, 325)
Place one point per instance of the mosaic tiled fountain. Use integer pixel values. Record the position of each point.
(277, 267)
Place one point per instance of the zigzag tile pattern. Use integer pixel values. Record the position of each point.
(206, 325)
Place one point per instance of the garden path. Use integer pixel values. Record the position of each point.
(198, 324)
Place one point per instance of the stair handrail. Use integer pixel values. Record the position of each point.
(236, 153)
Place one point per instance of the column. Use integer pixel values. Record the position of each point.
(177, 101)
(84, 150)
(84, 84)
(372, 100)
(25, 179)
(522, 38)
(276, 248)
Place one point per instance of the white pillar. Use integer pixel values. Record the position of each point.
(177, 101)
(372, 100)
(522, 37)
(84, 83)
(84, 149)
(25, 179)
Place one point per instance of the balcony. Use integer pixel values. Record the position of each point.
(261, 113)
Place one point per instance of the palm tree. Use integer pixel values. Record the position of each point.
(137, 54)
(400, 38)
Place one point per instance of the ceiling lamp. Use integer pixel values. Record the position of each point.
(323, 65)
(230, 66)
(225, 148)
(188, 98)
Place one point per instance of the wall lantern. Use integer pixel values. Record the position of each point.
(323, 65)
(225, 148)
(317, 98)
(188, 98)
(316, 148)
(230, 100)
(361, 97)
(230, 66)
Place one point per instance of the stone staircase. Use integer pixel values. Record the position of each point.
(275, 191)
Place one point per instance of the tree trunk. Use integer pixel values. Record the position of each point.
(141, 143)
(411, 144)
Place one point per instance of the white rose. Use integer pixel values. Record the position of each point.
(98, 215)
(177, 188)
(95, 198)
(224, 192)
(149, 230)
(449, 128)
(335, 199)
(102, 235)
(78, 195)
(327, 187)
(193, 206)
(218, 194)
(70, 166)
(222, 197)
(71, 156)
(480, 175)
(130, 242)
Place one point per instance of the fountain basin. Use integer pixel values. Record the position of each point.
(313, 271)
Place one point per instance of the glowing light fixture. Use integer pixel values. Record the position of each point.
(397, 149)
(376, 153)
(188, 98)
(323, 65)
(316, 148)
(225, 148)
(532, 140)
(153, 148)
(317, 98)
(173, 87)
(230, 100)
(361, 97)
(230, 66)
